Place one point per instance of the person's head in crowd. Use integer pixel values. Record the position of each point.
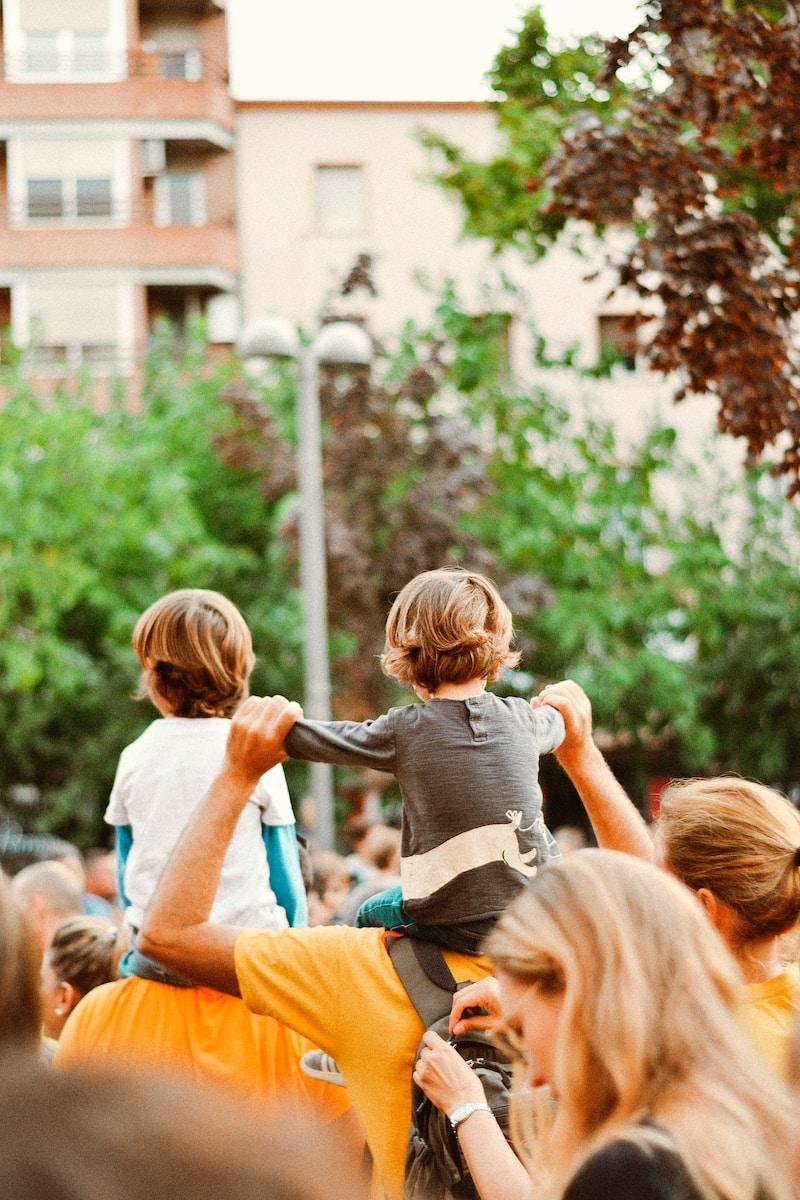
(70, 857)
(569, 838)
(330, 887)
(49, 892)
(447, 626)
(196, 654)
(82, 955)
(101, 873)
(381, 849)
(20, 1018)
(622, 995)
(737, 845)
(81, 1133)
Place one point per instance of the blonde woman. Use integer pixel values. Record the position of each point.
(737, 845)
(622, 1000)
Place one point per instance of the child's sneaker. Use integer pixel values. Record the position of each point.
(320, 1065)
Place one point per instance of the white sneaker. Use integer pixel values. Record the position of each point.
(320, 1065)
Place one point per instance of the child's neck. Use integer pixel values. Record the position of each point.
(458, 691)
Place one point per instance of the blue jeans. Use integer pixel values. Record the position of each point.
(385, 911)
(136, 963)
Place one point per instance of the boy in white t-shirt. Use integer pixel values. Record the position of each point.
(197, 655)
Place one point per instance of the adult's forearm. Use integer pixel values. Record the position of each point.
(176, 930)
(496, 1171)
(616, 821)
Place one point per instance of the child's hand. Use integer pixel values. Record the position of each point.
(575, 707)
(255, 740)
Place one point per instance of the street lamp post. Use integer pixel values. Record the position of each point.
(339, 344)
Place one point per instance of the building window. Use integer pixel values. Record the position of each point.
(45, 198)
(93, 198)
(66, 54)
(340, 199)
(70, 326)
(69, 199)
(180, 64)
(180, 198)
(42, 54)
(618, 332)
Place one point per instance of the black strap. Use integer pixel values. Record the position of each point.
(425, 975)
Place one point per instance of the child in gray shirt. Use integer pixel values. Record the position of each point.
(466, 762)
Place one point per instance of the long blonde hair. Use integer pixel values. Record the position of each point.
(647, 1027)
(740, 840)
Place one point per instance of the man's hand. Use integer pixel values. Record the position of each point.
(255, 740)
(572, 702)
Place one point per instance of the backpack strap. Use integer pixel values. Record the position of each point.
(425, 975)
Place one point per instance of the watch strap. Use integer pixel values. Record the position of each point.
(462, 1111)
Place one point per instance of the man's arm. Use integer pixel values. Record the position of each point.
(615, 819)
(176, 929)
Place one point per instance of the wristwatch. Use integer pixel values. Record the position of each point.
(462, 1111)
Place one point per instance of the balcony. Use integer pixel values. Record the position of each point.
(149, 88)
(124, 235)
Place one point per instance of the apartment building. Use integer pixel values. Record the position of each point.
(320, 183)
(116, 175)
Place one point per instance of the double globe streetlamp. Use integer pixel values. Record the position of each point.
(339, 344)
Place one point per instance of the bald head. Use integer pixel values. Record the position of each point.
(48, 892)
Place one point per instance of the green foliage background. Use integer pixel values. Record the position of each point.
(680, 617)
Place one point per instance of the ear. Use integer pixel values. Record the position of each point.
(711, 904)
(67, 997)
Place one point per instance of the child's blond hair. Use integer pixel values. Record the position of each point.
(196, 652)
(448, 626)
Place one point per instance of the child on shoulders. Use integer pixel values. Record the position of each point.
(466, 761)
(196, 655)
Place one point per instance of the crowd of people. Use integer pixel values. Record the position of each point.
(214, 988)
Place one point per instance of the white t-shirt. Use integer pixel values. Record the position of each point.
(160, 780)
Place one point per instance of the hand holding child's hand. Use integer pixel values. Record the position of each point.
(572, 702)
(255, 740)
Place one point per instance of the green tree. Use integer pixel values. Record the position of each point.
(104, 508)
(684, 134)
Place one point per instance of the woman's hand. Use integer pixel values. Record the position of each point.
(444, 1077)
(483, 994)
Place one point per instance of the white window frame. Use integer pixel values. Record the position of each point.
(17, 194)
(198, 200)
(15, 49)
(318, 226)
(122, 362)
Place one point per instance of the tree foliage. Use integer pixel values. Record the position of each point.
(677, 607)
(684, 133)
(104, 508)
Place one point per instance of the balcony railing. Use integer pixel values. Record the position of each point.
(93, 212)
(75, 65)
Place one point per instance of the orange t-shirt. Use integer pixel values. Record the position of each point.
(196, 1032)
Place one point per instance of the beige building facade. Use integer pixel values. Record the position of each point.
(320, 183)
